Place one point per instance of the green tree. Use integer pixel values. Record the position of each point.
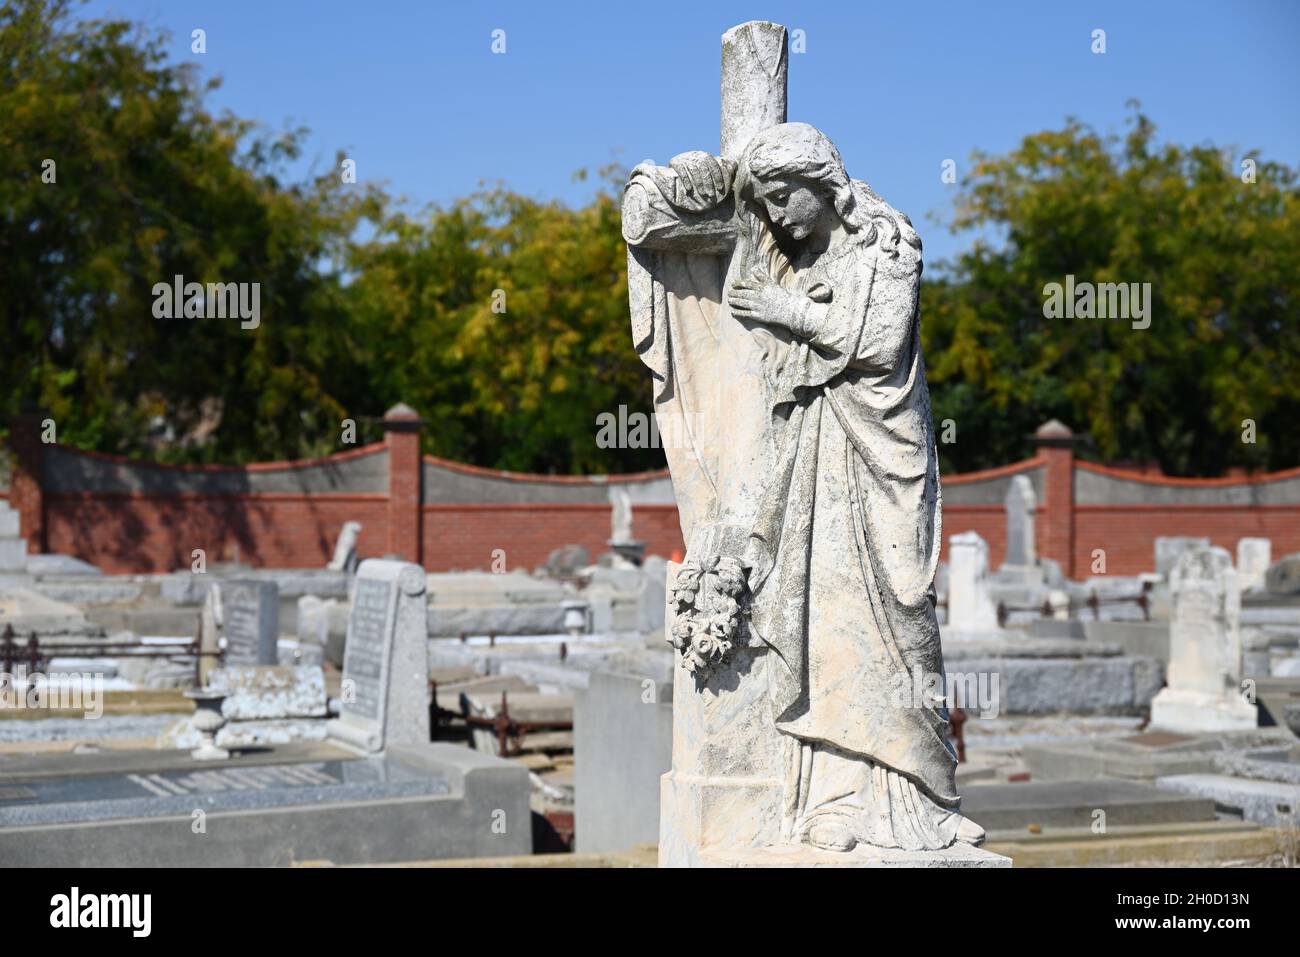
(1222, 255)
(503, 320)
(117, 178)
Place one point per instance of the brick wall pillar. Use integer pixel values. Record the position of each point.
(402, 436)
(26, 495)
(1055, 443)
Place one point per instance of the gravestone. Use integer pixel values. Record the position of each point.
(250, 611)
(1169, 548)
(1283, 576)
(1204, 680)
(1021, 503)
(1253, 558)
(274, 806)
(970, 609)
(13, 548)
(209, 633)
(385, 699)
(345, 549)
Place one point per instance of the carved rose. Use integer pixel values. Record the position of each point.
(707, 595)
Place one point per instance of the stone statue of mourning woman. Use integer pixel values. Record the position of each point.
(775, 301)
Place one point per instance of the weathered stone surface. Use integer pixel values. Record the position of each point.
(808, 497)
(1254, 555)
(250, 622)
(51, 564)
(13, 548)
(323, 622)
(1267, 764)
(345, 549)
(1075, 803)
(10, 521)
(385, 690)
(1205, 655)
(26, 610)
(1283, 576)
(622, 745)
(1169, 548)
(567, 560)
(259, 693)
(958, 855)
(1036, 685)
(970, 607)
(1268, 803)
(1144, 756)
(90, 591)
(303, 802)
(1021, 504)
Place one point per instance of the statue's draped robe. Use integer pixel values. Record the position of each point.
(843, 550)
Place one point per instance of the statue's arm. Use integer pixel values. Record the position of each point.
(683, 207)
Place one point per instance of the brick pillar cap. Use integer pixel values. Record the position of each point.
(402, 418)
(1056, 434)
(403, 412)
(1053, 429)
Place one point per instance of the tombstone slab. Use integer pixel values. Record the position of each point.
(250, 617)
(1021, 505)
(1204, 690)
(970, 607)
(385, 660)
(1169, 548)
(1254, 555)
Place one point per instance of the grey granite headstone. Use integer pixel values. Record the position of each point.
(1020, 503)
(13, 549)
(1283, 576)
(251, 619)
(385, 698)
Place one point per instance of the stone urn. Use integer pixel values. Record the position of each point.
(208, 720)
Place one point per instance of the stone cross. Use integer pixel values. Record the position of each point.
(730, 414)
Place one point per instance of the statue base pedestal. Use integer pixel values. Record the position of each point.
(804, 855)
(1191, 712)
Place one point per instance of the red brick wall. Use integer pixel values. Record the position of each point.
(157, 533)
(989, 521)
(1127, 533)
(465, 536)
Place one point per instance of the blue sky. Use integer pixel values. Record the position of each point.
(412, 91)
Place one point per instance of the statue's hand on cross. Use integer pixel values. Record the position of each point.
(681, 207)
(703, 180)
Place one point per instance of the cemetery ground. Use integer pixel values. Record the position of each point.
(371, 713)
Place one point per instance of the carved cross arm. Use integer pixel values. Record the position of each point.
(686, 206)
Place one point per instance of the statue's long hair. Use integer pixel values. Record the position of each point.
(802, 152)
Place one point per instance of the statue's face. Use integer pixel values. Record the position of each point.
(793, 206)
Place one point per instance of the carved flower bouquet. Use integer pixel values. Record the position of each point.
(707, 596)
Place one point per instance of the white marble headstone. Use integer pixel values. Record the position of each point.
(1254, 555)
(1203, 691)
